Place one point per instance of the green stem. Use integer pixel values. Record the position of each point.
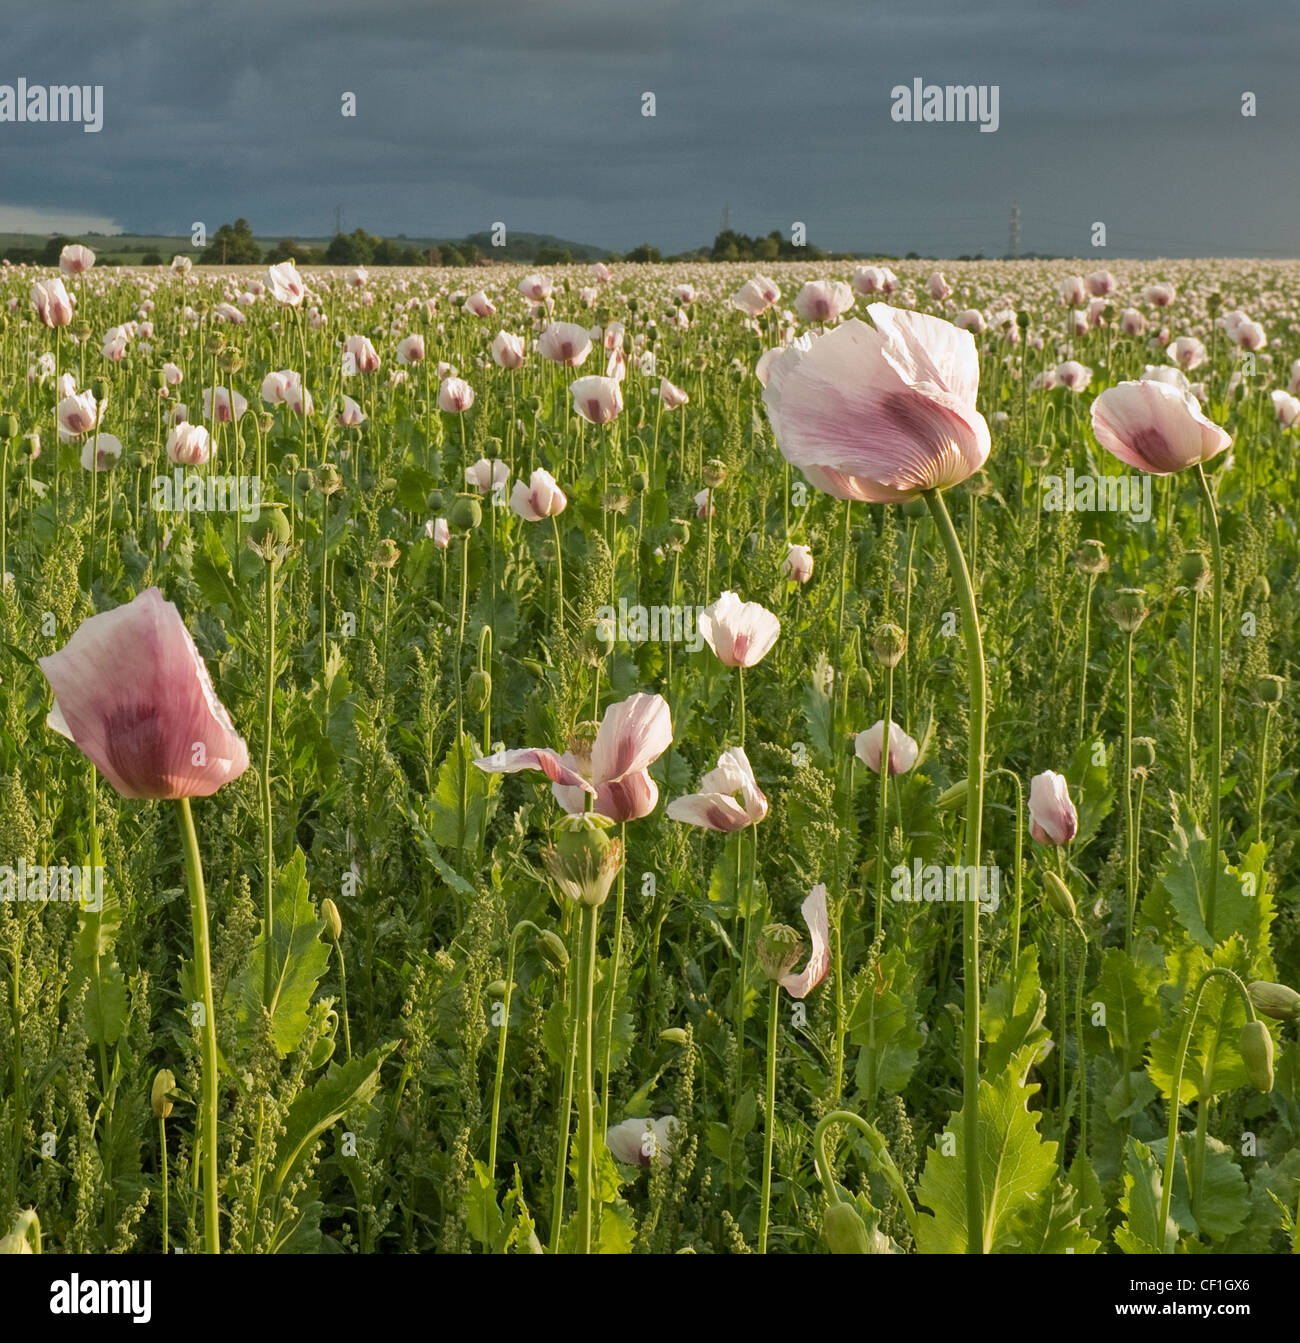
(586, 1106)
(879, 1150)
(970, 908)
(203, 973)
(769, 1120)
(1171, 1147)
(1216, 682)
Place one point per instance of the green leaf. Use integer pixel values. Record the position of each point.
(299, 957)
(1016, 1169)
(340, 1090)
(94, 965)
(1140, 1204)
(884, 1022)
(1012, 1016)
(1127, 992)
(458, 774)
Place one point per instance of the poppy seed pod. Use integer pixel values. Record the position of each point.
(269, 533)
(584, 860)
(1256, 1048)
(779, 949)
(1269, 689)
(332, 919)
(158, 379)
(1129, 609)
(889, 644)
(1022, 321)
(1144, 753)
(1194, 570)
(915, 508)
(844, 1231)
(466, 513)
(387, 553)
(1039, 455)
(715, 472)
(675, 1035)
(1091, 558)
(1274, 1000)
(329, 479)
(164, 1083)
(433, 501)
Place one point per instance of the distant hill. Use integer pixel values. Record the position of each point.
(130, 249)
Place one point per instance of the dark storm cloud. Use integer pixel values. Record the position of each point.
(529, 111)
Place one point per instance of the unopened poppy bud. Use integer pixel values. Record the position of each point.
(1268, 689)
(1256, 1047)
(158, 378)
(1022, 321)
(1057, 894)
(1129, 609)
(680, 531)
(164, 1083)
(497, 988)
(478, 691)
(601, 637)
(99, 390)
(8, 426)
(332, 919)
(889, 643)
(433, 502)
(640, 482)
(779, 949)
(844, 1231)
(952, 798)
(552, 949)
(914, 508)
(466, 513)
(1274, 1000)
(674, 1035)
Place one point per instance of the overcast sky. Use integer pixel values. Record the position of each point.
(530, 112)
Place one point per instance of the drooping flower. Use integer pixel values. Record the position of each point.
(132, 692)
(638, 1142)
(780, 946)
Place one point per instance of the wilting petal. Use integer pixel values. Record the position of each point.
(528, 757)
(814, 915)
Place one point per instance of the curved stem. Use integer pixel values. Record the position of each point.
(1171, 1147)
(970, 908)
(879, 1150)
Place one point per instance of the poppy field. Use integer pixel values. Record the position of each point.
(649, 758)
